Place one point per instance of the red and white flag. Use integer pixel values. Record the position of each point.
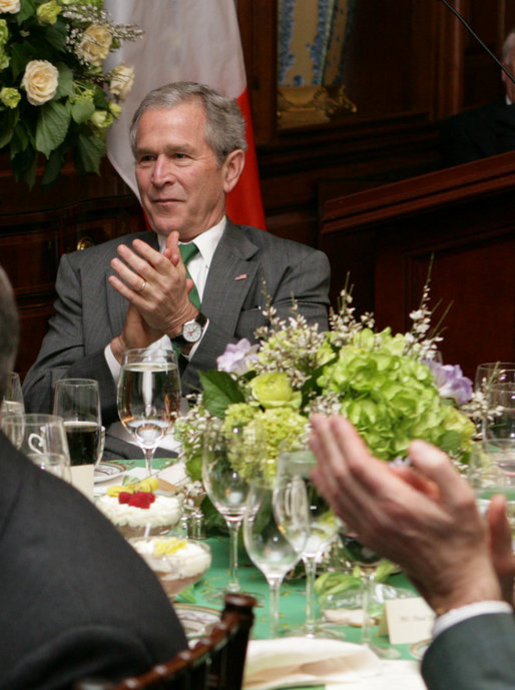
(185, 40)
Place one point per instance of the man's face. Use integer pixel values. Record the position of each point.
(508, 84)
(182, 187)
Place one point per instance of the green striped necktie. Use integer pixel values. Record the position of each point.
(188, 251)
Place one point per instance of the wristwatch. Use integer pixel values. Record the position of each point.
(191, 331)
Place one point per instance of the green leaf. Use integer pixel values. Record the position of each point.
(100, 99)
(27, 9)
(56, 35)
(65, 86)
(52, 126)
(220, 391)
(8, 121)
(53, 166)
(82, 110)
(89, 152)
(21, 54)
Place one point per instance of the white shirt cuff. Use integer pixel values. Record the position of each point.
(112, 363)
(462, 613)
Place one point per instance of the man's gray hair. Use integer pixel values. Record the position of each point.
(225, 128)
(9, 330)
(508, 45)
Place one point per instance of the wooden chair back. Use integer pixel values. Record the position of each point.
(215, 661)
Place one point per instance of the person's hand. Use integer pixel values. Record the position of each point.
(155, 284)
(501, 545)
(136, 333)
(424, 519)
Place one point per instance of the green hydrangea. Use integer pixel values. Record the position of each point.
(48, 12)
(10, 97)
(392, 398)
(274, 390)
(4, 32)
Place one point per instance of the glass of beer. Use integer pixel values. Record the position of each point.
(77, 401)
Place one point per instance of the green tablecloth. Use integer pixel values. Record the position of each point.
(208, 591)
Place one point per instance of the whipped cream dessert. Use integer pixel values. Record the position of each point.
(177, 562)
(135, 520)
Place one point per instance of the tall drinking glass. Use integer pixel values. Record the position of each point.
(12, 403)
(42, 438)
(77, 401)
(275, 531)
(224, 454)
(294, 465)
(149, 394)
(367, 562)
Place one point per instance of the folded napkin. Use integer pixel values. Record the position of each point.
(301, 661)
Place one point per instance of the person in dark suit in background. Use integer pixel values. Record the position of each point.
(189, 148)
(76, 600)
(485, 131)
(425, 519)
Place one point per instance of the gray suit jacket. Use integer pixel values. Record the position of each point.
(476, 654)
(76, 600)
(248, 265)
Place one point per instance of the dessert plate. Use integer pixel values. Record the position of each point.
(106, 471)
(197, 621)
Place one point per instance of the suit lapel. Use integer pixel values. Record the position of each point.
(230, 276)
(116, 304)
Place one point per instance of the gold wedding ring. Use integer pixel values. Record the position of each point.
(143, 285)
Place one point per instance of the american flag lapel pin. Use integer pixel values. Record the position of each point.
(242, 276)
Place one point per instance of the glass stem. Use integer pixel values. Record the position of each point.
(310, 566)
(149, 455)
(274, 587)
(367, 579)
(234, 528)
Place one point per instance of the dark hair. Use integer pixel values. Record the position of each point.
(225, 128)
(9, 330)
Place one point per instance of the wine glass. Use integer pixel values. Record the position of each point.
(12, 402)
(367, 562)
(224, 453)
(499, 427)
(275, 531)
(149, 394)
(323, 526)
(492, 373)
(77, 401)
(42, 438)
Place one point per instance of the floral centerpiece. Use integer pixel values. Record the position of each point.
(389, 385)
(54, 95)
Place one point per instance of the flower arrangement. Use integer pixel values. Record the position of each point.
(389, 385)
(54, 95)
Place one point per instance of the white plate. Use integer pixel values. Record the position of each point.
(197, 621)
(106, 471)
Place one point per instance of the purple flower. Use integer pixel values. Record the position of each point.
(237, 357)
(450, 382)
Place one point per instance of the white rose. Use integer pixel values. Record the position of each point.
(40, 81)
(122, 80)
(95, 44)
(11, 6)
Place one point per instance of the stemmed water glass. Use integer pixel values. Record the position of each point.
(293, 465)
(12, 402)
(149, 393)
(275, 531)
(367, 562)
(224, 454)
(77, 401)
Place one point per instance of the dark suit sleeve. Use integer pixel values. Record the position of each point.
(476, 654)
(63, 352)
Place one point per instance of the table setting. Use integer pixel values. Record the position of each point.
(235, 510)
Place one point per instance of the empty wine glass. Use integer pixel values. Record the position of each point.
(42, 438)
(367, 562)
(224, 454)
(77, 401)
(12, 401)
(492, 373)
(275, 531)
(149, 394)
(323, 526)
(499, 428)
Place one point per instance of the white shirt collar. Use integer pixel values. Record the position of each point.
(206, 242)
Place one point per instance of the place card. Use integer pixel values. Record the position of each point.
(408, 620)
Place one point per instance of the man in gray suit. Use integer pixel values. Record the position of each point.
(76, 600)
(189, 147)
(425, 519)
